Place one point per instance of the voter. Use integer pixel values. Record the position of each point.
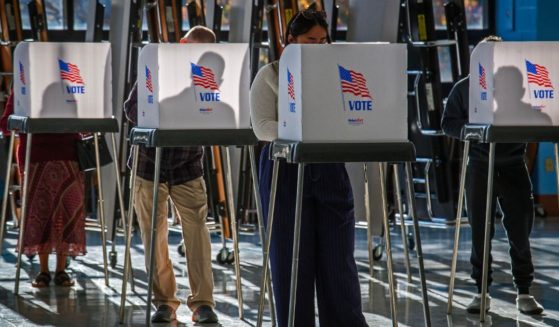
(55, 219)
(512, 186)
(326, 256)
(182, 181)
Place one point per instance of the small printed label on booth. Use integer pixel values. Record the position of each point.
(356, 121)
(74, 82)
(355, 93)
(539, 83)
(482, 82)
(291, 91)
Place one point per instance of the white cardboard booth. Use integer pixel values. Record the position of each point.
(341, 93)
(194, 86)
(63, 80)
(513, 84)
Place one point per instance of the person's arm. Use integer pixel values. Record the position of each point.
(131, 105)
(264, 104)
(456, 113)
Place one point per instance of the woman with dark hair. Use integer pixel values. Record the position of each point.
(55, 218)
(328, 225)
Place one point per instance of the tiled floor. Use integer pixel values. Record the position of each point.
(91, 303)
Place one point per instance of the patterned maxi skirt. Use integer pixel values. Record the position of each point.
(55, 221)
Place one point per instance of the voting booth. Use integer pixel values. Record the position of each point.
(512, 99)
(62, 88)
(343, 93)
(194, 86)
(513, 84)
(343, 103)
(193, 95)
(62, 80)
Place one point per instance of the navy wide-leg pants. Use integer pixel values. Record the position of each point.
(326, 258)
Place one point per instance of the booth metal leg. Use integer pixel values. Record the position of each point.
(487, 238)
(397, 190)
(369, 220)
(296, 243)
(389, 263)
(217, 162)
(152, 243)
(127, 257)
(120, 196)
(262, 232)
(101, 210)
(267, 242)
(413, 211)
(6, 190)
(232, 213)
(461, 191)
(24, 198)
(556, 150)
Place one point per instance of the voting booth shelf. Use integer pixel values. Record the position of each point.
(192, 95)
(62, 88)
(511, 100)
(186, 86)
(63, 80)
(343, 103)
(356, 92)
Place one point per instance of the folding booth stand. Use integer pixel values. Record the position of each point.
(180, 138)
(493, 134)
(32, 126)
(305, 153)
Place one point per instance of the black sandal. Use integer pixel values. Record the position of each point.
(41, 280)
(61, 278)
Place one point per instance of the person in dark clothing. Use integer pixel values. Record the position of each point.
(513, 188)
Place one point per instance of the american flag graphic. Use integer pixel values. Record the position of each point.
(70, 72)
(538, 75)
(21, 73)
(290, 85)
(482, 77)
(149, 85)
(354, 83)
(204, 77)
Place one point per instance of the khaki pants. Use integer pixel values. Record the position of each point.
(191, 203)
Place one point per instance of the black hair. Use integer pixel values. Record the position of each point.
(304, 21)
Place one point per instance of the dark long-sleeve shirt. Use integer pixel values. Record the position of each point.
(178, 165)
(44, 147)
(455, 116)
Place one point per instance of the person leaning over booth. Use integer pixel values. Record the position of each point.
(181, 180)
(328, 225)
(513, 188)
(55, 220)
